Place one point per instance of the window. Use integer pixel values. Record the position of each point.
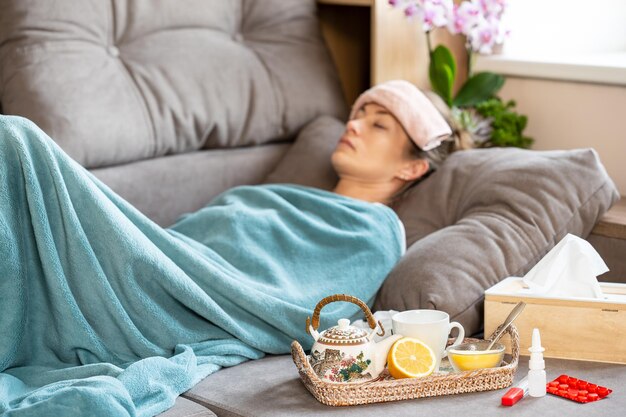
(564, 39)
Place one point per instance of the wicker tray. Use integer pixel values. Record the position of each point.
(386, 388)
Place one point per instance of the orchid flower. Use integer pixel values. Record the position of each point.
(463, 18)
(485, 34)
(486, 29)
(431, 13)
(479, 20)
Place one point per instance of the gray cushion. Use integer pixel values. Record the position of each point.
(117, 81)
(307, 162)
(484, 215)
(271, 387)
(164, 188)
(488, 214)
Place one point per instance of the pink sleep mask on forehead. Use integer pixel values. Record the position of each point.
(415, 112)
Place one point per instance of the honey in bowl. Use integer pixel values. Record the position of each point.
(471, 356)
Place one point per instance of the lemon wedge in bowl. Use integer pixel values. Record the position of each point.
(410, 358)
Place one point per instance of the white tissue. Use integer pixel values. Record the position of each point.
(568, 270)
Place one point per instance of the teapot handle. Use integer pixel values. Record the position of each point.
(315, 322)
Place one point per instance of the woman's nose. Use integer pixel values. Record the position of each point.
(354, 126)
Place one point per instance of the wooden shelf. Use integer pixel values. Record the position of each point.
(613, 223)
(372, 42)
(347, 2)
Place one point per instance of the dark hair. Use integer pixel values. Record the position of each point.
(435, 158)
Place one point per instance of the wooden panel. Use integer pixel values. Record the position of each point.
(398, 47)
(347, 34)
(372, 42)
(347, 2)
(613, 223)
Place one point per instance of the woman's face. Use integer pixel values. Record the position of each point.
(373, 148)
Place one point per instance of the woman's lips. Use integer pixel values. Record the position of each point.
(347, 141)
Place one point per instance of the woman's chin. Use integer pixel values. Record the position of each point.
(340, 158)
(347, 167)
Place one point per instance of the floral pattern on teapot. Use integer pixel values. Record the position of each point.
(336, 366)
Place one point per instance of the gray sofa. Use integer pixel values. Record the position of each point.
(169, 104)
(172, 102)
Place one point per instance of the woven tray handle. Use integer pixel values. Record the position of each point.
(515, 341)
(315, 321)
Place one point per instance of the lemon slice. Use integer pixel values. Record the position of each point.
(410, 358)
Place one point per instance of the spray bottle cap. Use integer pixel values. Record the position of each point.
(536, 356)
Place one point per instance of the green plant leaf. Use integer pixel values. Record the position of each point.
(480, 87)
(442, 71)
(507, 125)
(442, 80)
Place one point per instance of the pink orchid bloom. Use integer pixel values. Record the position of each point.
(485, 35)
(431, 13)
(411, 10)
(479, 20)
(493, 7)
(435, 13)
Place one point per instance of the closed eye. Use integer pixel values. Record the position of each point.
(379, 126)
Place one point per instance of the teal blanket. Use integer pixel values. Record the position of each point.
(104, 313)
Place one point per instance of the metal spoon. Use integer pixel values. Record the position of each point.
(512, 316)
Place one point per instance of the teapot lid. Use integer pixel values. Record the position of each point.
(344, 334)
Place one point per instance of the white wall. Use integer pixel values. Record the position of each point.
(567, 115)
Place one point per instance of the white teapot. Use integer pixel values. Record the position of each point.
(346, 353)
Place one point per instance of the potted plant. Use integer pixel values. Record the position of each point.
(475, 108)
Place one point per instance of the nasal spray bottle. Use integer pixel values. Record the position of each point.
(536, 366)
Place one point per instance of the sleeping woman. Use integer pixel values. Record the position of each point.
(103, 310)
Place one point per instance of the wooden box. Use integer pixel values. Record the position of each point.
(571, 327)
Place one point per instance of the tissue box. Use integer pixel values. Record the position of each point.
(571, 327)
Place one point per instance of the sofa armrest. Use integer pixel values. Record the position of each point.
(608, 237)
(613, 223)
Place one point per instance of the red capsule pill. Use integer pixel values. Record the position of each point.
(577, 389)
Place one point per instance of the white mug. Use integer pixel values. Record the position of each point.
(431, 327)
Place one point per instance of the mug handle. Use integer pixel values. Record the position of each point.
(459, 338)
